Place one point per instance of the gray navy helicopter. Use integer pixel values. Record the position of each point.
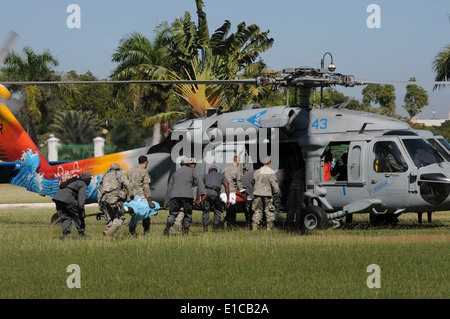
(389, 169)
(386, 167)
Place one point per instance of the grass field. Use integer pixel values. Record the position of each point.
(236, 264)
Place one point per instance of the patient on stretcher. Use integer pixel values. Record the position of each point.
(141, 209)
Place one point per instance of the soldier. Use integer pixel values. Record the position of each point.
(341, 170)
(266, 186)
(140, 186)
(248, 183)
(295, 203)
(111, 197)
(234, 177)
(213, 182)
(180, 195)
(70, 200)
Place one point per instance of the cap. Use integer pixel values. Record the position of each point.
(266, 160)
(85, 175)
(115, 166)
(213, 167)
(192, 160)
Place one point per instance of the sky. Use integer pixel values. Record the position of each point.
(393, 43)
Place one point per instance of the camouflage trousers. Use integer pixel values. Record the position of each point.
(114, 215)
(263, 205)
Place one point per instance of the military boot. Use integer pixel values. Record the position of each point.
(112, 230)
(82, 235)
(106, 234)
(167, 231)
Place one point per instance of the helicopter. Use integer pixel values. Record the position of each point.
(416, 180)
(389, 168)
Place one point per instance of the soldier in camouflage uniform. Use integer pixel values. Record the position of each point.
(140, 186)
(266, 186)
(234, 177)
(111, 197)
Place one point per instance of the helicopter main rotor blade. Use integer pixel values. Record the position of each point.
(5, 50)
(155, 82)
(409, 82)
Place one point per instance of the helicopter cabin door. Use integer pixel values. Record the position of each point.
(222, 156)
(356, 158)
(388, 172)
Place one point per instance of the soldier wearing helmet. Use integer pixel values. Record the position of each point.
(111, 196)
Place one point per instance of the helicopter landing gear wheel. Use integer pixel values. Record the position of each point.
(313, 217)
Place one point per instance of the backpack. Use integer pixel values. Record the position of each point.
(70, 180)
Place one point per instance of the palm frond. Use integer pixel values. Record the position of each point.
(441, 66)
(161, 117)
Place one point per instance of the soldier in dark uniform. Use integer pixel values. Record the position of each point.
(213, 182)
(70, 200)
(248, 183)
(180, 194)
(295, 200)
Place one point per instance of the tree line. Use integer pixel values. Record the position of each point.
(126, 114)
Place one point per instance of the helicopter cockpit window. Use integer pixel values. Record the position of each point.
(440, 149)
(421, 152)
(445, 143)
(388, 158)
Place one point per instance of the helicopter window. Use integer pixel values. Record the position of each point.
(388, 158)
(421, 152)
(334, 162)
(445, 143)
(439, 148)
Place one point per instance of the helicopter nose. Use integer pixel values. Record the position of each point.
(435, 189)
(4, 93)
(434, 193)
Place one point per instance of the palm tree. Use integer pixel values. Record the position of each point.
(186, 50)
(221, 56)
(76, 127)
(240, 49)
(441, 66)
(139, 59)
(30, 67)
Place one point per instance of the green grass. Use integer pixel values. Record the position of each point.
(11, 194)
(240, 264)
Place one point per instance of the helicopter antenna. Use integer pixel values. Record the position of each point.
(344, 105)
